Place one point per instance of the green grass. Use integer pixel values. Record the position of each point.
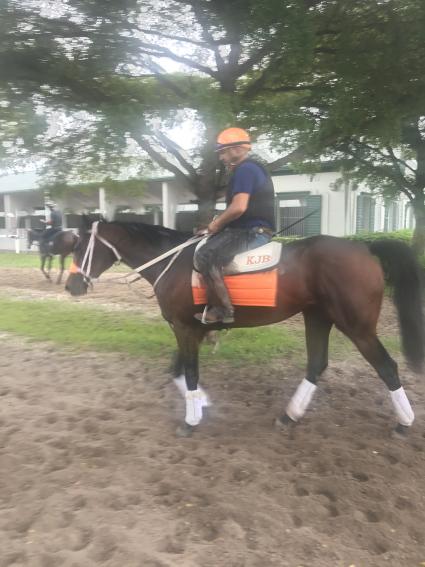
(23, 260)
(81, 327)
(32, 260)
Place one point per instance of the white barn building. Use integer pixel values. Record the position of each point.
(330, 207)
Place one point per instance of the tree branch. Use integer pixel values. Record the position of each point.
(178, 38)
(161, 160)
(158, 51)
(202, 21)
(397, 160)
(163, 78)
(383, 171)
(175, 151)
(295, 155)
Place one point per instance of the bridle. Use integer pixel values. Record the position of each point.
(86, 264)
(85, 267)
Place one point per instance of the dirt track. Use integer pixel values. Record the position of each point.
(93, 475)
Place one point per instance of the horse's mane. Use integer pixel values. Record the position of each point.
(152, 232)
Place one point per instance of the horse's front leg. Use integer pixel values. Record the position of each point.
(43, 263)
(62, 267)
(188, 340)
(49, 265)
(177, 370)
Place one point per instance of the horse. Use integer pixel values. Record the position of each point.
(331, 281)
(61, 244)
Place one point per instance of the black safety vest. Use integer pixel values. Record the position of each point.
(55, 218)
(261, 203)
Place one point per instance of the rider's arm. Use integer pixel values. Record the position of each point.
(236, 208)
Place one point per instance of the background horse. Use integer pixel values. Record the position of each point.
(331, 281)
(62, 244)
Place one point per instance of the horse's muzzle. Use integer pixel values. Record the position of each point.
(76, 284)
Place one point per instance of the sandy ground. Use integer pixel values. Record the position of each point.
(92, 474)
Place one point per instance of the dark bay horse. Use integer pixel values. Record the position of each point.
(62, 244)
(331, 281)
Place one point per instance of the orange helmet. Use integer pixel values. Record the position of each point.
(233, 137)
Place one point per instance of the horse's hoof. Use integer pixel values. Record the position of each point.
(401, 431)
(283, 422)
(185, 430)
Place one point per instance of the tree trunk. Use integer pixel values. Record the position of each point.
(206, 189)
(418, 240)
(206, 193)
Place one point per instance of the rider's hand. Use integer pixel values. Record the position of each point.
(201, 231)
(213, 227)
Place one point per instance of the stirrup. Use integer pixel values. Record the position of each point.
(225, 319)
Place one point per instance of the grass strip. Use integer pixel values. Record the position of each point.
(82, 327)
(32, 260)
(23, 260)
(78, 326)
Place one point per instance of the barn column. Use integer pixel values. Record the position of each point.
(169, 206)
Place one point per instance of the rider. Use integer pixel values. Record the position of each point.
(53, 222)
(247, 222)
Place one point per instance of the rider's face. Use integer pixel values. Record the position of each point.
(233, 155)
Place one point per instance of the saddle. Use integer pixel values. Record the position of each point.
(250, 278)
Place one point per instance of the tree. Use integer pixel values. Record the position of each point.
(386, 145)
(101, 62)
(314, 76)
(367, 103)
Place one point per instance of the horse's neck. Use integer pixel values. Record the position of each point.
(142, 252)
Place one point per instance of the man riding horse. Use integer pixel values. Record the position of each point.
(53, 224)
(247, 222)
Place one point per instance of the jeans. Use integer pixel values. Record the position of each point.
(221, 248)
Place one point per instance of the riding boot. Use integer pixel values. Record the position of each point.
(218, 296)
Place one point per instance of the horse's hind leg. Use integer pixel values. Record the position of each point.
(317, 329)
(375, 353)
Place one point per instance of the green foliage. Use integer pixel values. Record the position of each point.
(105, 84)
(339, 77)
(405, 235)
(131, 187)
(286, 239)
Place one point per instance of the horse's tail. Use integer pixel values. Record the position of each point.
(404, 276)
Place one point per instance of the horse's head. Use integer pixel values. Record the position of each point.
(93, 254)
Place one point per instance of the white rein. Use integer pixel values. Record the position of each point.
(86, 264)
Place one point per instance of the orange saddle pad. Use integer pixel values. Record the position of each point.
(255, 289)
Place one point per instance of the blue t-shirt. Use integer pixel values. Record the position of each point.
(248, 178)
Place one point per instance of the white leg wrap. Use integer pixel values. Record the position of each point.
(402, 407)
(300, 400)
(194, 406)
(180, 383)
